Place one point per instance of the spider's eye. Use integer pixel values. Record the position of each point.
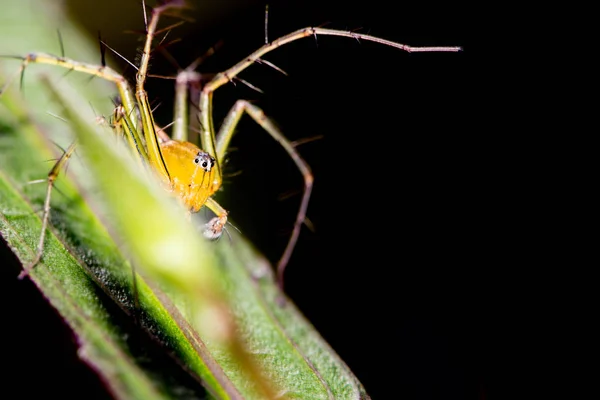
(205, 161)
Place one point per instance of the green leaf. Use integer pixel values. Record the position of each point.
(212, 306)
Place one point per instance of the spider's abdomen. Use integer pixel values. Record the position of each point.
(191, 171)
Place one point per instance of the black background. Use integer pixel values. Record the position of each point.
(410, 272)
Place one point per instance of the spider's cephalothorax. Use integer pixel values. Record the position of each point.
(191, 173)
(192, 178)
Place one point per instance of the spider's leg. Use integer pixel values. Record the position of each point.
(128, 108)
(183, 83)
(208, 131)
(155, 155)
(52, 176)
(222, 142)
(218, 147)
(128, 105)
(186, 119)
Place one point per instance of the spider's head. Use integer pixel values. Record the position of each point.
(191, 173)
